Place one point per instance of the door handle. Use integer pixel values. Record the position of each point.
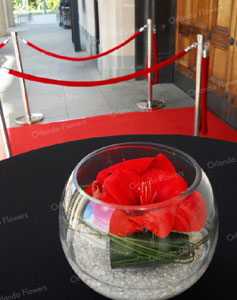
(231, 41)
(163, 26)
(232, 98)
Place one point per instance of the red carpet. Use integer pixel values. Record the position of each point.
(169, 121)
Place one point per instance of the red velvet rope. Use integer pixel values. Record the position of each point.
(99, 82)
(84, 58)
(156, 80)
(205, 69)
(3, 44)
(155, 58)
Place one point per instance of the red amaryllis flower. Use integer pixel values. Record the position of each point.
(147, 181)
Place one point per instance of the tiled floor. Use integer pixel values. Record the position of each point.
(64, 103)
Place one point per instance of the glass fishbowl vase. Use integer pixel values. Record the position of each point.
(138, 221)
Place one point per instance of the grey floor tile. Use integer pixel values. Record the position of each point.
(80, 94)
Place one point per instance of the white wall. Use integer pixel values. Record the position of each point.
(117, 23)
(87, 16)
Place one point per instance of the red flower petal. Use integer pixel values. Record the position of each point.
(138, 166)
(89, 190)
(121, 225)
(175, 186)
(97, 189)
(152, 178)
(120, 186)
(162, 162)
(106, 197)
(159, 221)
(191, 214)
(164, 185)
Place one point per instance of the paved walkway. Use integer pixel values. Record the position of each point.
(64, 103)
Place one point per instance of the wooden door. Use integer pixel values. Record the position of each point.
(184, 38)
(220, 49)
(216, 20)
(201, 25)
(232, 73)
(192, 19)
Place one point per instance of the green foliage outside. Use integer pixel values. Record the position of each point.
(35, 4)
(52, 4)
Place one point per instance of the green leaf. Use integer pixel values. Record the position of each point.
(146, 249)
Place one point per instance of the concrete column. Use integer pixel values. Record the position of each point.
(117, 23)
(2, 19)
(4, 3)
(8, 13)
(115, 27)
(10, 16)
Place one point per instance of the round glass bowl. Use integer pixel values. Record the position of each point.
(151, 250)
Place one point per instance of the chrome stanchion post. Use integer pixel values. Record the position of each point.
(206, 51)
(150, 104)
(3, 128)
(150, 47)
(200, 40)
(28, 118)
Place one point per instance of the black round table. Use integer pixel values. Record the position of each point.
(33, 265)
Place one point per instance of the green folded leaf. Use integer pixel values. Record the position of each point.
(145, 249)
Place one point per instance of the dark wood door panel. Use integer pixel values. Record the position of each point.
(218, 69)
(220, 47)
(217, 21)
(201, 9)
(232, 71)
(184, 31)
(192, 19)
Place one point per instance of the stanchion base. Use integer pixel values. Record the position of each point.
(35, 118)
(156, 104)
